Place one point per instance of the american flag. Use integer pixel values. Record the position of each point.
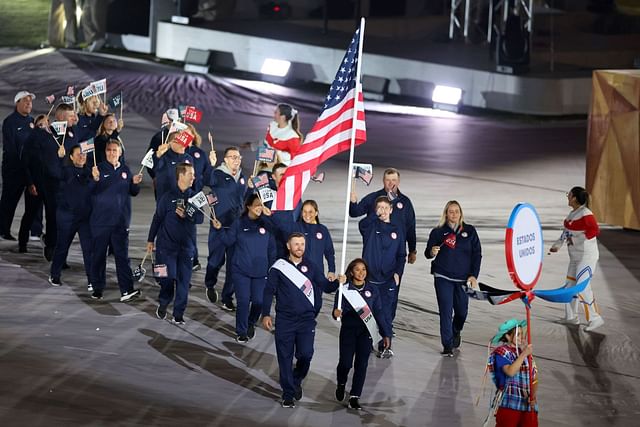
(331, 134)
(212, 199)
(364, 174)
(307, 288)
(319, 177)
(364, 312)
(160, 271)
(177, 126)
(266, 154)
(87, 146)
(261, 180)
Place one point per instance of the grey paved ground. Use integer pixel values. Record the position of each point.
(66, 360)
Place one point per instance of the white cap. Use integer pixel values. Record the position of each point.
(21, 95)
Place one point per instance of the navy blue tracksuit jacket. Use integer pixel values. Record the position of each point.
(403, 213)
(172, 233)
(42, 168)
(175, 239)
(457, 262)
(459, 257)
(318, 242)
(165, 171)
(16, 130)
(88, 126)
(295, 322)
(351, 319)
(72, 216)
(291, 304)
(355, 340)
(231, 194)
(254, 246)
(254, 250)
(110, 219)
(383, 249)
(201, 166)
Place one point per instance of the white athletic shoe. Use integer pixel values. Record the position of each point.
(594, 324)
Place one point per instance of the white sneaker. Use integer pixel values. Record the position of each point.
(594, 324)
(571, 321)
(34, 238)
(128, 296)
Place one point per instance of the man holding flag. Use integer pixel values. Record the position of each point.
(339, 127)
(168, 117)
(230, 185)
(174, 231)
(168, 156)
(43, 171)
(72, 215)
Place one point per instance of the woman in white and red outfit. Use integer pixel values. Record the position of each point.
(284, 134)
(580, 232)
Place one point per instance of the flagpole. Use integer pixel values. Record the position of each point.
(350, 170)
(50, 110)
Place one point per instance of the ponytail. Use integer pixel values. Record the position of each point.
(581, 195)
(292, 116)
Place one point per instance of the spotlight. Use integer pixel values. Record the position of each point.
(446, 95)
(275, 67)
